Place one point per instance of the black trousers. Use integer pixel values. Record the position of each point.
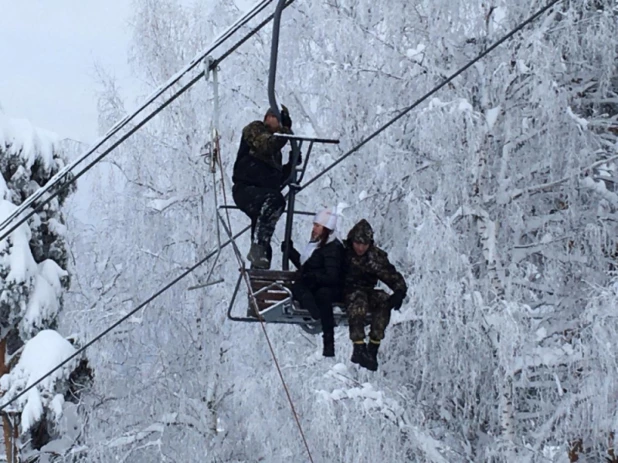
(263, 206)
(319, 303)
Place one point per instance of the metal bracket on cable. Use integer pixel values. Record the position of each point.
(216, 151)
(211, 149)
(207, 65)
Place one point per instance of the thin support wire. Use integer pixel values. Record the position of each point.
(63, 174)
(24, 212)
(215, 155)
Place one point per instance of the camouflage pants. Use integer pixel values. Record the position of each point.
(264, 206)
(358, 303)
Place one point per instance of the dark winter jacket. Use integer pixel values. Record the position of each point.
(259, 162)
(364, 272)
(323, 268)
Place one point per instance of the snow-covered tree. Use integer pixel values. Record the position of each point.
(34, 277)
(496, 198)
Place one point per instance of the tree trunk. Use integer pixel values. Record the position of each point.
(611, 453)
(6, 423)
(575, 448)
(8, 437)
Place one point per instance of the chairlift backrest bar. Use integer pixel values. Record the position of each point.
(295, 212)
(330, 141)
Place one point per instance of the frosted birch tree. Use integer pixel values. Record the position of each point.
(496, 198)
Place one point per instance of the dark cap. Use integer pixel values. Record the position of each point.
(361, 233)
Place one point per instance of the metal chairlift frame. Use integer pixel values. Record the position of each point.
(284, 311)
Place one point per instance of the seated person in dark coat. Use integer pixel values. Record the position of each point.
(321, 277)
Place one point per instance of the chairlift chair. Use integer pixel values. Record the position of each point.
(270, 291)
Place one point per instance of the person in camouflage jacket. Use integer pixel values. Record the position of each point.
(258, 178)
(365, 265)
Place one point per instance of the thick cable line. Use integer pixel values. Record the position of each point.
(125, 120)
(121, 124)
(353, 150)
(431, 92)
(248, 36)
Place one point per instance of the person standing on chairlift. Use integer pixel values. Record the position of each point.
(365, 265)
(321, 278)
(258, 178)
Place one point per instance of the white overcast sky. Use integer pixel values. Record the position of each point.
(48, 50)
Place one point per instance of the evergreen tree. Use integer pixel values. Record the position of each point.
(33, 278)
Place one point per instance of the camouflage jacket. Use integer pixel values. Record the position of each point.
(364, 272)
(259, 160)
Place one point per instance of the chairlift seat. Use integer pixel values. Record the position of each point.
(272, 290)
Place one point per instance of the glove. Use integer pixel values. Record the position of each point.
(284, 246)
(285, 117)
(396, 299)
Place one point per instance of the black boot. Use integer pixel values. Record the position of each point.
(359, 353)
(258, 256)
(329, 345)
(371, 362)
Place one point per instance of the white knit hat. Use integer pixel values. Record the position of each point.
(327, 218)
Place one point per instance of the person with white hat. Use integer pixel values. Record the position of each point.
(320, 278)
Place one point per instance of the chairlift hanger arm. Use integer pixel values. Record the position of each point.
(295, 140)
(272, 99)
(274, 52)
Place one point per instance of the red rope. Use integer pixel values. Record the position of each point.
(260, 318)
